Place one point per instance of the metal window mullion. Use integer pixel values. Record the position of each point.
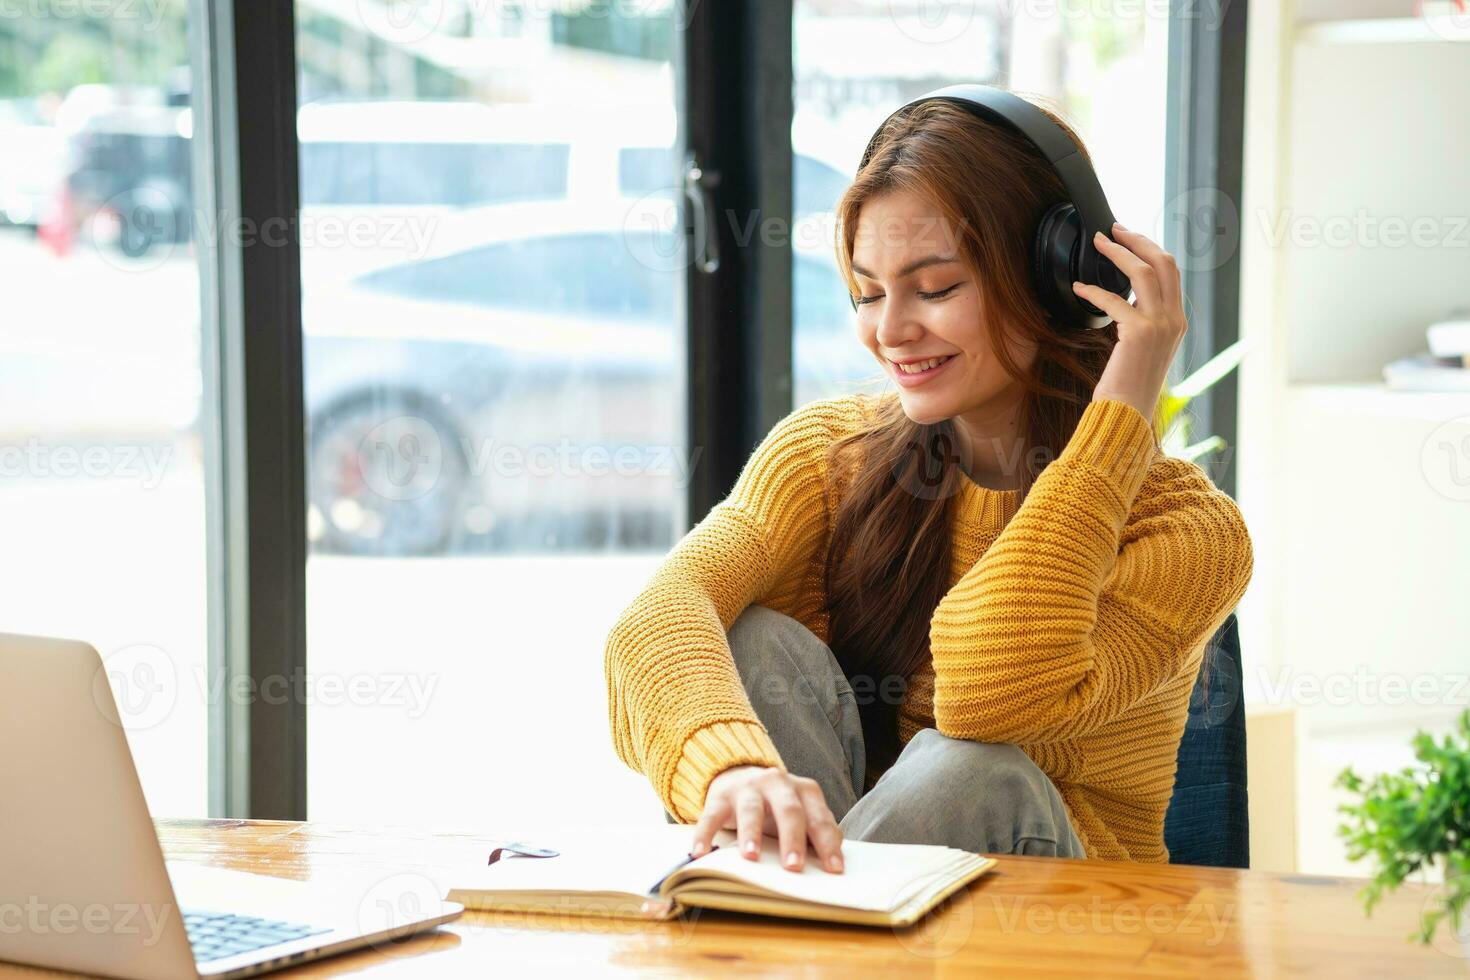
(734, 78)
(254, 417)
(1204, 145)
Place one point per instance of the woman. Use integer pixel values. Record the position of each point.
(966, 612)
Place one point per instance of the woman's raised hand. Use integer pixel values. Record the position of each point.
(759, 800)
(1149, 329)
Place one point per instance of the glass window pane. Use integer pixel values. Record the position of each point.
(102, 491)
(645, 170)
(390, 170)
(491, 285)
(856, 62)
(530, 273)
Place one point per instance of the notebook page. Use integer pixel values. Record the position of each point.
(876, 877)
(592, 859)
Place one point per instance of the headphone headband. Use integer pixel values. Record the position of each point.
(1063, 249)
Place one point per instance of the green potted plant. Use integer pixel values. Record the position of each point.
(1173, 423)
(1413, 819)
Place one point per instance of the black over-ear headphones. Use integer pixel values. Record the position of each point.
(1062, 250)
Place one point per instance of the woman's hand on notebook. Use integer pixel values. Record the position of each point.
(767, 800)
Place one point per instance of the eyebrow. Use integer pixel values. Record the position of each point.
(912, 267)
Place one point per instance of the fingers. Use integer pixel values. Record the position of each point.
(1141, 275)
(797, 812)
(790, 813)
(750, 813)
(717, 814)
(1115, 306)
(1162, 262)
(821, 826)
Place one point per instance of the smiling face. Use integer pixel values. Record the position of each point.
(920, 302)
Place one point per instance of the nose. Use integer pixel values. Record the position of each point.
(896, 327)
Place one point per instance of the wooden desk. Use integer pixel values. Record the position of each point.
(1031, 915)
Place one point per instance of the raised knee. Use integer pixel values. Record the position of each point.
(753, 633)
(958, 764)
(763, 630)
(756, 621)
(976, 795)
(782, 661)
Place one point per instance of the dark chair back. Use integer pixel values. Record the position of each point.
(1207, 820)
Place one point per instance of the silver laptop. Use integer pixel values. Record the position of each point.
(83, 881)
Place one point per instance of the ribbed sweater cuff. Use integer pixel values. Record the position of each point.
(708, 752)
(1114, 437)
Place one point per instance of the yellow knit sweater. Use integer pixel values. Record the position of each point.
(1073, 627)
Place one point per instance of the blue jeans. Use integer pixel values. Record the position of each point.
(976, 796)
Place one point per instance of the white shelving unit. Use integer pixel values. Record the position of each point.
(1355, 236)
(1433, 28)
(1355, 127)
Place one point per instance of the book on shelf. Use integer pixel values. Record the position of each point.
(1426, 372)
(1450, 338)
(649, 874)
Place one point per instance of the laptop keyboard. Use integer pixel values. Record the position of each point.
(215, 935)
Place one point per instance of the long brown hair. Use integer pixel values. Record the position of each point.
(888, 560)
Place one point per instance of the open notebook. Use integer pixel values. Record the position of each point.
(647, 874)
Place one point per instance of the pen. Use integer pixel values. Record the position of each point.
(521, 850)
(686, 860)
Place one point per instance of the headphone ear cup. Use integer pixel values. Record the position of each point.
(1057, 262)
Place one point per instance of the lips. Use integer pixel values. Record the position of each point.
(909, 378)
(917, 367)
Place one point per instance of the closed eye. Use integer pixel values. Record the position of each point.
(942, 293)
(862, 300)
